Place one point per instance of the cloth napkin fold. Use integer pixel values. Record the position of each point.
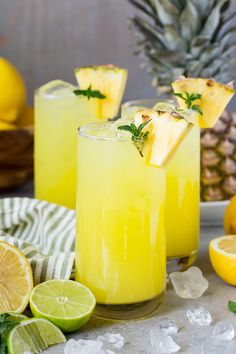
(45, 234)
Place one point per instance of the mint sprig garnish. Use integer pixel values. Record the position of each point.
(232, 306)
(6, 326)
(89, 93)
(139, 137)
(189, 99)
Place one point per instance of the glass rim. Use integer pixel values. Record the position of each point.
(141, 101)
(89, 126)
(53, 96)
(137, 101)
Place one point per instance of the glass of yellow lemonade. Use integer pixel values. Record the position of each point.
(58, 114)
(120, 242)
(182, 195)
(60, 108)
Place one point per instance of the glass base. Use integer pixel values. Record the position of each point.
(181, 263)
(129, 311)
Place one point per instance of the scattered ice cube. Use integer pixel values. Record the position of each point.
(57, 88)
(83, 346)
(70, 346)
(223, 331)
(168, 326)
(112, 340)
(190, 284)
(199, 316)
(162, 343)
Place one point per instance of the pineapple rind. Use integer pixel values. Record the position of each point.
(215, 97)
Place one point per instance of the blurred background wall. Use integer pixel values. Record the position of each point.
(47, 39)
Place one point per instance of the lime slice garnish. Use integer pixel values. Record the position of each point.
(33, 336)
(66, 303)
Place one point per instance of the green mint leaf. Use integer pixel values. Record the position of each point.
(197, 109)
(143, 125)
(179, 95)
(89, 93)
(126, 128)
(189, 99)
(3, 346)
(195, 96)
(232, 306)
(138, 136)
(134, 129)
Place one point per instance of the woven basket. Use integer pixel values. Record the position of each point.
(16, 157)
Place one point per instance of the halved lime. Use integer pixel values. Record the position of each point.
(66, 303)
(33, 336)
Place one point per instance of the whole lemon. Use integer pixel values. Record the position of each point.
(13, 92)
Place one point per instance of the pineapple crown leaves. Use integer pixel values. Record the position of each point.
(139, 137)
(184, 37)
(189, 99)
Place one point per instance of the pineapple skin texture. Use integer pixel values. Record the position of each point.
(218, 159)
(215, 97)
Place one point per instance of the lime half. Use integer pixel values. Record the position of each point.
(66, 303)
(33, 336)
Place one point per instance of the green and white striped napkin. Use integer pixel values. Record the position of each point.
(44, 232)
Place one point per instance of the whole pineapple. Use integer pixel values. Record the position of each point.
(194, 38)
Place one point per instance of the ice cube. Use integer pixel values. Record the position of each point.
(199, 316)
(83, 346)
(190, 284)
(70, 346)
(223, 331)
(162, 343)
(168, 326)
(57, 88)
(112, 340)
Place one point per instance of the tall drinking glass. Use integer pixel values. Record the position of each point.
(182, 195)
(120, 242)
(58, 113)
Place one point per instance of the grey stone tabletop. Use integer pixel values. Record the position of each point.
(192, 339)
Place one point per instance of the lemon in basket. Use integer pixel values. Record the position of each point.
(13, 92)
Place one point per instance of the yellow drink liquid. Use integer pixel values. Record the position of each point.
(120, 244)
(182, 200)
(58, 116)
(182, 195)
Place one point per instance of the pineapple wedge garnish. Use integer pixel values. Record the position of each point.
(214, 98)
(166, 132)
(109, 80)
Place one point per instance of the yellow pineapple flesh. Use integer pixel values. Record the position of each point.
(166, 132)
(214, 98)
(109, 80)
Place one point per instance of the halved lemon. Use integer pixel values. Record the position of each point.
(16, 281)
(222, 252)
